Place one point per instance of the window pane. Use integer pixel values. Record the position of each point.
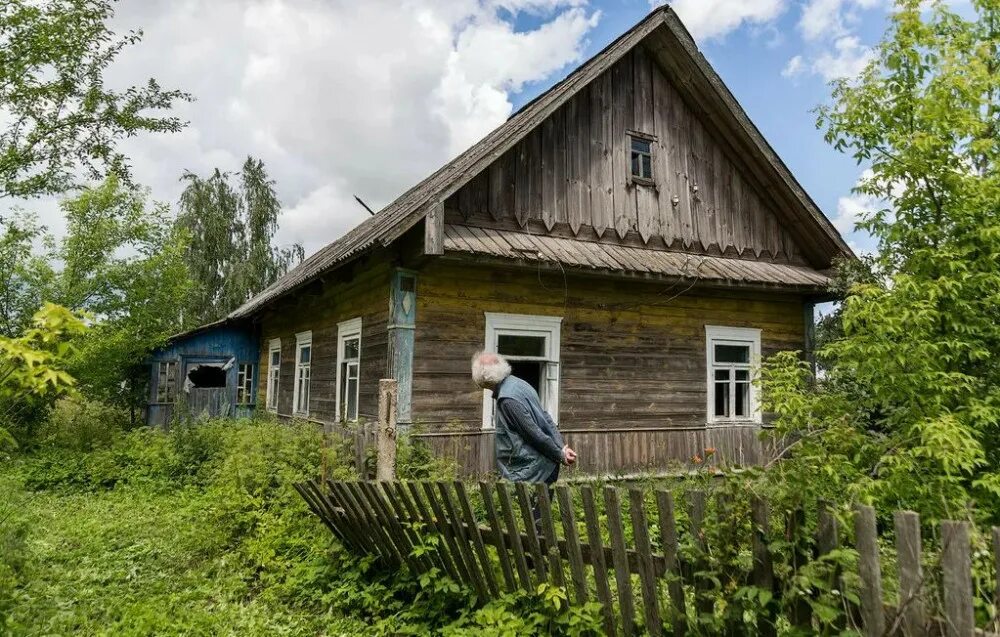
(742, 407)
(352, 399)
(352, 348)
(722, 399)
(635, 164)
(742, 374)
(732, 353)
(640, 145)
(276, 357)
(722, 374)
(647, 167)
(304, 353)
(520, 345)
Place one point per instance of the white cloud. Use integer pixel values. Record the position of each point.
(847, 59)
(337, 98)
(831, 18)
(707, 19)
(794, 67)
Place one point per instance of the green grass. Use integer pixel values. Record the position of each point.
(141, 559)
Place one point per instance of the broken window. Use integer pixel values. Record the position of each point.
(207, 376)
(244, 385)
(166, 382)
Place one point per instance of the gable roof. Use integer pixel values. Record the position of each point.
(673, 47)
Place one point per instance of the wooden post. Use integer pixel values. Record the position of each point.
(385, 437)
(956, 566)
(872, 613)
(911, 573)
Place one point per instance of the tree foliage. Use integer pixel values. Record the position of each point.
(26, 273)
(231, 255)
(912, 398)
(59, 117)
(33, 367)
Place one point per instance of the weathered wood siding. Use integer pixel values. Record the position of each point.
(571, 176)
(361, 289)
(633, 369)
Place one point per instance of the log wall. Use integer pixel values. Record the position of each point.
(633, 370)
(363, 290)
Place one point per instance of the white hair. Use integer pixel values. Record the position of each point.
(489, 369)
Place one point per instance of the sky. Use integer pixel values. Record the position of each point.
(349, 97)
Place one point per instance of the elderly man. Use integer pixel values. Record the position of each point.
(529, 446)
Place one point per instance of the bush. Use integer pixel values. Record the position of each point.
(77, 424)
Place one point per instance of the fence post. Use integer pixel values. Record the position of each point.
(956, 566)
(911, 573)
(872, 612)
(385, 436)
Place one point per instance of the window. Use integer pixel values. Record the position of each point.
(244, 385)
(531, 346)
(732, 354)
(348, 369)
(166, 382)
(303, 366)
(273, 373)
(642, 158)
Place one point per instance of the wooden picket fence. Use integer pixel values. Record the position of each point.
(508, 536)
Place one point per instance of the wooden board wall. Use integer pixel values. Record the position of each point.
(363, 290)
(632, 354)
(571, 175)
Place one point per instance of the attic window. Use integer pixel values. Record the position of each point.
(642, 158)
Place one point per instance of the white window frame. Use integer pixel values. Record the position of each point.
(550, 327)
(722, 335)
(273, 375)
(302, 340)
(347, 330)
(244, 383)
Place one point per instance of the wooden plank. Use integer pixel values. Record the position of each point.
(613, 512)
(622, 118)
(531, 529)
(578, 162)
(522, 182)
(560, 167)
(668, 538)
(314, 500)
(703, 600)
(556, 571)
(548, 168)
(665, 173)
(434, 229)
(513, 536)
(601, 160)
(911, 573)
(763, 568)
(956, 579)
(647, 208)
(464, 540)
(574, 555)
(503, 546)
(647, 574)
(361, 520)
(872, 613)
(390, 524)
(477, 538)
(434, 525)
(597, 559)
(355, 493)
(448, 533)
(353, 520)
(414, 517)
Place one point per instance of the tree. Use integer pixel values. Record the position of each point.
(123, 263)
(59, 117)
(26, 274)
(915, 376)
(231, 255)
(33, 369)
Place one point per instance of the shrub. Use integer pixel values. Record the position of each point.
(77, 424)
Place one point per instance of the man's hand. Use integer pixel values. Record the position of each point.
(569, 456)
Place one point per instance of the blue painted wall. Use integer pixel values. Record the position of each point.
(214, 344)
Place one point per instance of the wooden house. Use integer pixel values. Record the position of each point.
(628, 240)
(210, 370)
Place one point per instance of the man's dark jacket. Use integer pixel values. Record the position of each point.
(528, 444)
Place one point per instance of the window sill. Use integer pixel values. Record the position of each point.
(734, 423)
(643, 181)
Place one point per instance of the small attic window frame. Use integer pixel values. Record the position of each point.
(641, 179)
